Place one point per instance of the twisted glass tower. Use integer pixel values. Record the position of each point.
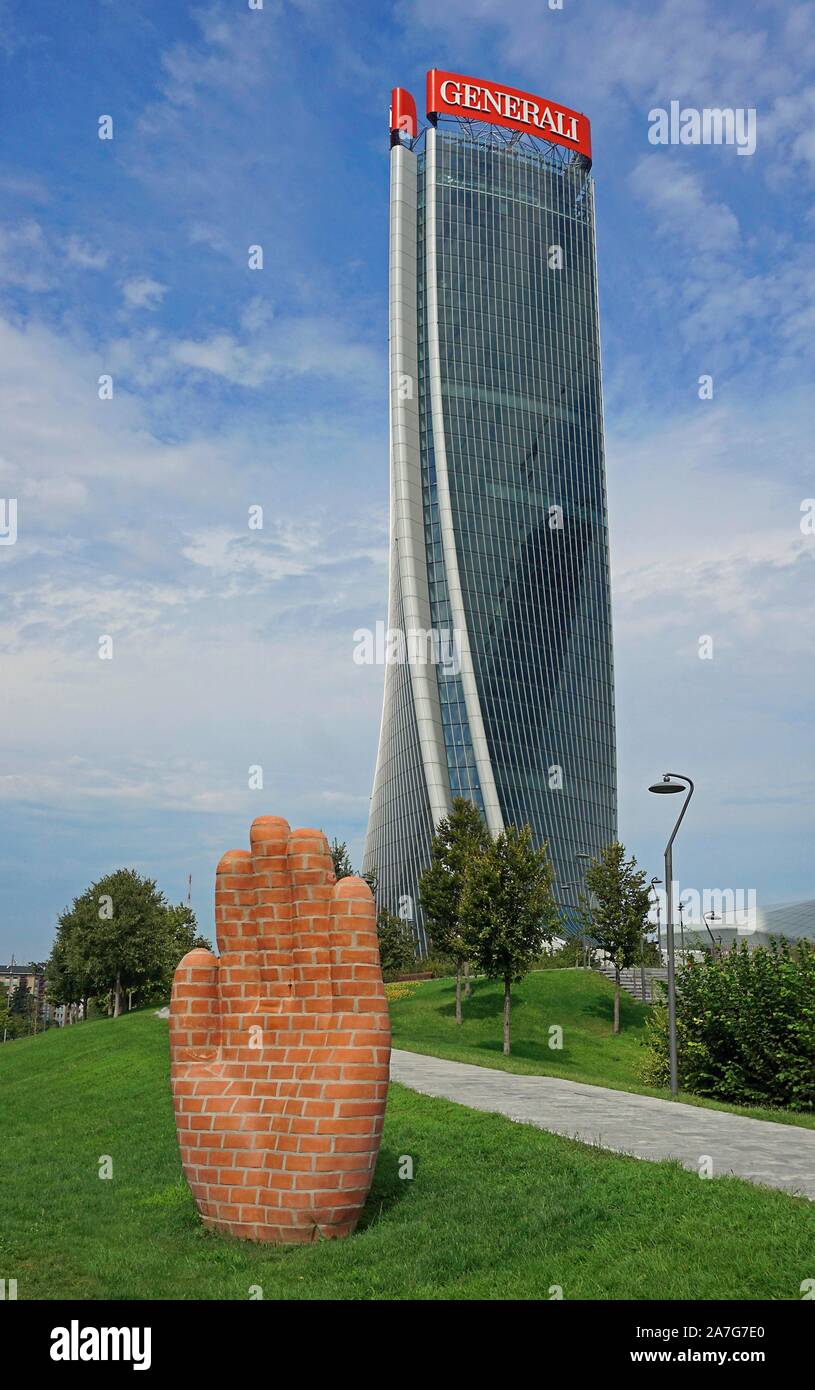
(502, 691)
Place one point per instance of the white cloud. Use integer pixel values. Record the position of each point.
(706, 541)
(80, 253)
(201, 234)
(225, 640)
(652, 51)
(178, 784)
(291, 346)
(26, 186)
(256, 315)
(750, 303)
(27, 258)
(319, 547)
(228, 58)
(677, 198)
(143, 293)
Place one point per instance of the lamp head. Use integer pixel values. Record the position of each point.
(667, 787)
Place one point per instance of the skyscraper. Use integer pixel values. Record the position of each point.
(500, 686)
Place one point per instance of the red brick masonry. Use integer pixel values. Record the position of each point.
(280, 1048)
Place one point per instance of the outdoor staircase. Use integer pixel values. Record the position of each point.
(631, 980)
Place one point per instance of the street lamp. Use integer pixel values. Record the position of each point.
(573, 888)
(583, 854)
(672, 782)
(713, 918)
(681, 907)
(654, 882)
(653, 887)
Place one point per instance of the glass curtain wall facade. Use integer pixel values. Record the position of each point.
(498, 508)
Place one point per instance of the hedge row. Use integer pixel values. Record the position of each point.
(745, 1025)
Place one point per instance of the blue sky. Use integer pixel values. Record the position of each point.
(233, 387)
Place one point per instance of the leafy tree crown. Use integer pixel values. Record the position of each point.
(617, 917)
(508, 909)
(459, 838)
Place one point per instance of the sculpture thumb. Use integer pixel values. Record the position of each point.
(195, 1010)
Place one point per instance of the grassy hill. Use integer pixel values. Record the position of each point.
(495, 1210)
(579, 1001)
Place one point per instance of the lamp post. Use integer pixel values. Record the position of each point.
(582, 854)
(672, 782)
(681, 907)
(654, 882)
(573, 888)
(653, 886)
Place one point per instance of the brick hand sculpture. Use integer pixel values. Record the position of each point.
(280, 1048)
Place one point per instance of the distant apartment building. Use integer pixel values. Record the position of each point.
(32, 978)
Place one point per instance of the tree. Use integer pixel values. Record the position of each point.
(22, 1003)
(343, 868)
(618, 919)
(180, 936)
(341, 859)
(14, 1021)
(459, 838)
(397, 949)
(372, 881)
(119, 935)
(508, 910)
(66, 978)
(4, 1012)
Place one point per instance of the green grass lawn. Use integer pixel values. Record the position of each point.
(580, 1001)
(495, 1209)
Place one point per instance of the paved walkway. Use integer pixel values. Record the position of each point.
(763, 1152)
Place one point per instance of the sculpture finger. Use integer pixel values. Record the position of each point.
(235, 892)
(355, 967)
(272, 911)
(311, 871)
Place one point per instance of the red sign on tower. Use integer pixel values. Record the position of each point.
(403, 113)
(450, 94)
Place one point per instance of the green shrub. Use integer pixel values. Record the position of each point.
(566, 957)
(439, 966)
(655, 1069)
(397, 949)
(745, 1026)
